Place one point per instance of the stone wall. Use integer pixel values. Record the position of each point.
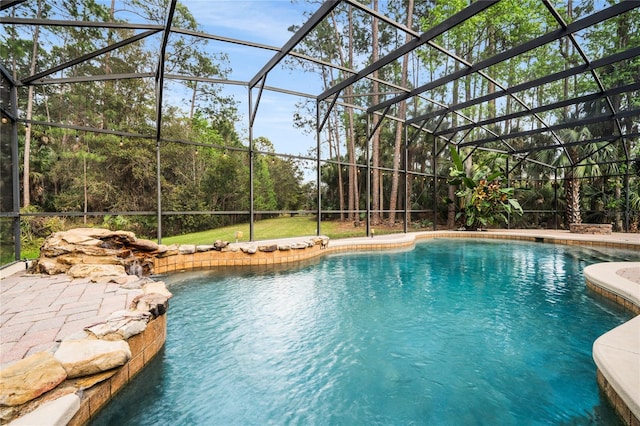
(591, 228)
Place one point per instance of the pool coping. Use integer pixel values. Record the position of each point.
(617, 352)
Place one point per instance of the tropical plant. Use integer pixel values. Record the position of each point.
(483, 200)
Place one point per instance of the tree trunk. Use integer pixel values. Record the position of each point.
(375, 189)
(351, 136)
(192, 108)
(572, 193)
(393, 202)
(336, 130)
(340, 182)
(451, 191)
(26, 182)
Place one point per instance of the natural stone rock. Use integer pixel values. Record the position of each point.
(132, 328)
(126, 281)
(219, 244)
(29, 378)
(88, 381)
(156, 304)
(95, 246)
(187, 249)
(204, 247)
(118, 330)
(103, 234)
(144, 245)
(157, 287)
(49, 266)
(94, 271)
(90, 356)
(284, 247)
(268, 248)
(251, 249)
(61, 243)
(78, 335)
(7, 413)
(57, 412)
(130, 314)
(164, 251)
(298, 246)
(121, 325)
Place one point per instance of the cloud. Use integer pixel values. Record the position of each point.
(260, 21)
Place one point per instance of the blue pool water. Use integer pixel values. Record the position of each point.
(453, 332)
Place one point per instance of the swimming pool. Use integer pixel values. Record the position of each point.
(451, 332)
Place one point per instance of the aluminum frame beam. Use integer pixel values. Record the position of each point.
(575, 123)
(575, 26)
(307, 27)
(427, 36)
(621, 56)
(5, 4)
(79, 24)
(544, 108)
(86, 57)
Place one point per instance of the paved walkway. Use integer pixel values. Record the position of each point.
(37, 310)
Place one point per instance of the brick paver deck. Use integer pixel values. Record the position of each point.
(38, 310)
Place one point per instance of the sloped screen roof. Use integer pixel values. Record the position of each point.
(507, 75)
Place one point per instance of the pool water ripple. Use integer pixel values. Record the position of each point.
(452, 332)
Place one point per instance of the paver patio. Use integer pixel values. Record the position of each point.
(38, 310)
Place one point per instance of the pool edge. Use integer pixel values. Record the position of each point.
(99, 395)
(617, 352)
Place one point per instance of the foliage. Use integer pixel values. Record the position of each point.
(33, 228)
(483, 201)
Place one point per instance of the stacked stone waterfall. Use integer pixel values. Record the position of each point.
(116, 256)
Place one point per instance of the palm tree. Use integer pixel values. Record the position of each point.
(585, 162)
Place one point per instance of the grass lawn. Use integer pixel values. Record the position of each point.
(267, 229)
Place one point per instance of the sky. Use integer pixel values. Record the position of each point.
(265, 22)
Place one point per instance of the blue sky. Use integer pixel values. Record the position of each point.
(265, 22)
